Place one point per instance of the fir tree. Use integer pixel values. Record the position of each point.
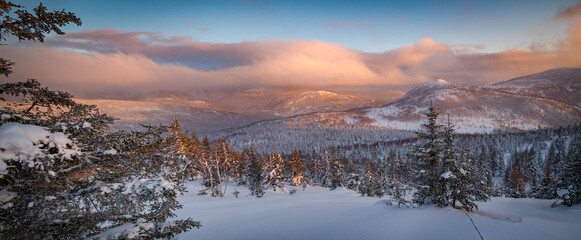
(254, 173)
(18, 22)
(274, 178)
(427, 155)
(370, 186)
(461, 182)
(335, 172)
(569, 187)
(548, 185)
(298, 170)
(88, 182)
(315, 167)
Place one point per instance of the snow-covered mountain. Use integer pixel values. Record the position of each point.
(474, 109)
(563, 84)
(208, 112)
(545, 100)
(470, 108)
(318, 101)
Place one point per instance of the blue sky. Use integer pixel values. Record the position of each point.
(193, 45)
(371, 26)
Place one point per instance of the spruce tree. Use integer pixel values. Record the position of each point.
(445, 176)
(254, 173)
(427, 155)
(370, 185)
(315, 168)
(460, 181)
(298, 170)
(548, 185)
(274, 178)
(569, 187)
(336, 170)
(84, 182)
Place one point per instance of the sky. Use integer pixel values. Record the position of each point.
(199, 45)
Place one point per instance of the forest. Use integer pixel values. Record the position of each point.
(64, 174)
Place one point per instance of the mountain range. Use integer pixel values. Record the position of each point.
(544, 100)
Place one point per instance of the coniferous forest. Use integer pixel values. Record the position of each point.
(71, 177)
(245, 136)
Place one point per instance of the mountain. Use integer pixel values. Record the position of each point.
(208, 112)
(318, 101)
(275, 119)
(474, 109)
(563, 84)
(131, 114)
(471, 109)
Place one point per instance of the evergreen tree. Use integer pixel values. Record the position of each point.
(18, 22)
(254, 173)
(186, 148)
(532, 172)
(370, 185)
(427, 156)
(274, 178)
(354, 181)
(397, 189)
(83, 182)
(239, 172)
(548, 185)
(315, 167)
(327, 173)
(517, 183)
(298, 170)
(335, 171)
(569, 187)
(460, 181)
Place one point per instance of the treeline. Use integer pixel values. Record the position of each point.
(539, 164)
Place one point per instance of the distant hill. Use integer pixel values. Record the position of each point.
(563, 84)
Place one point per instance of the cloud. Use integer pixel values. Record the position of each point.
(109, 59)
(573, 42)
(570, 12)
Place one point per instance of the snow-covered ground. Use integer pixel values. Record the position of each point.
(318, 213)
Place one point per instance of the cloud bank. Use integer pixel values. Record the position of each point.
(107, 59)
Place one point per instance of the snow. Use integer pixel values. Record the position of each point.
(128, 230)
(318, 213)
(435, 82)
(19, 142)
(562, 192)
(5, 198)
(23, 142)
(110, 152)
(447, 175)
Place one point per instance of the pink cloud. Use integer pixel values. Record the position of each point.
(110, 59)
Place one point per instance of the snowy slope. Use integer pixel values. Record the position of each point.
(563, 84)
(318, 213)
(318, 101)
(474, 109)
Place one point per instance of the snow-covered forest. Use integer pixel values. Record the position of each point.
(65, 175)
(283, 136)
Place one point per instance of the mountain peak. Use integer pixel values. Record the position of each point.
(434, 83)
(437, 82)
(431, 85)
(320, 93)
